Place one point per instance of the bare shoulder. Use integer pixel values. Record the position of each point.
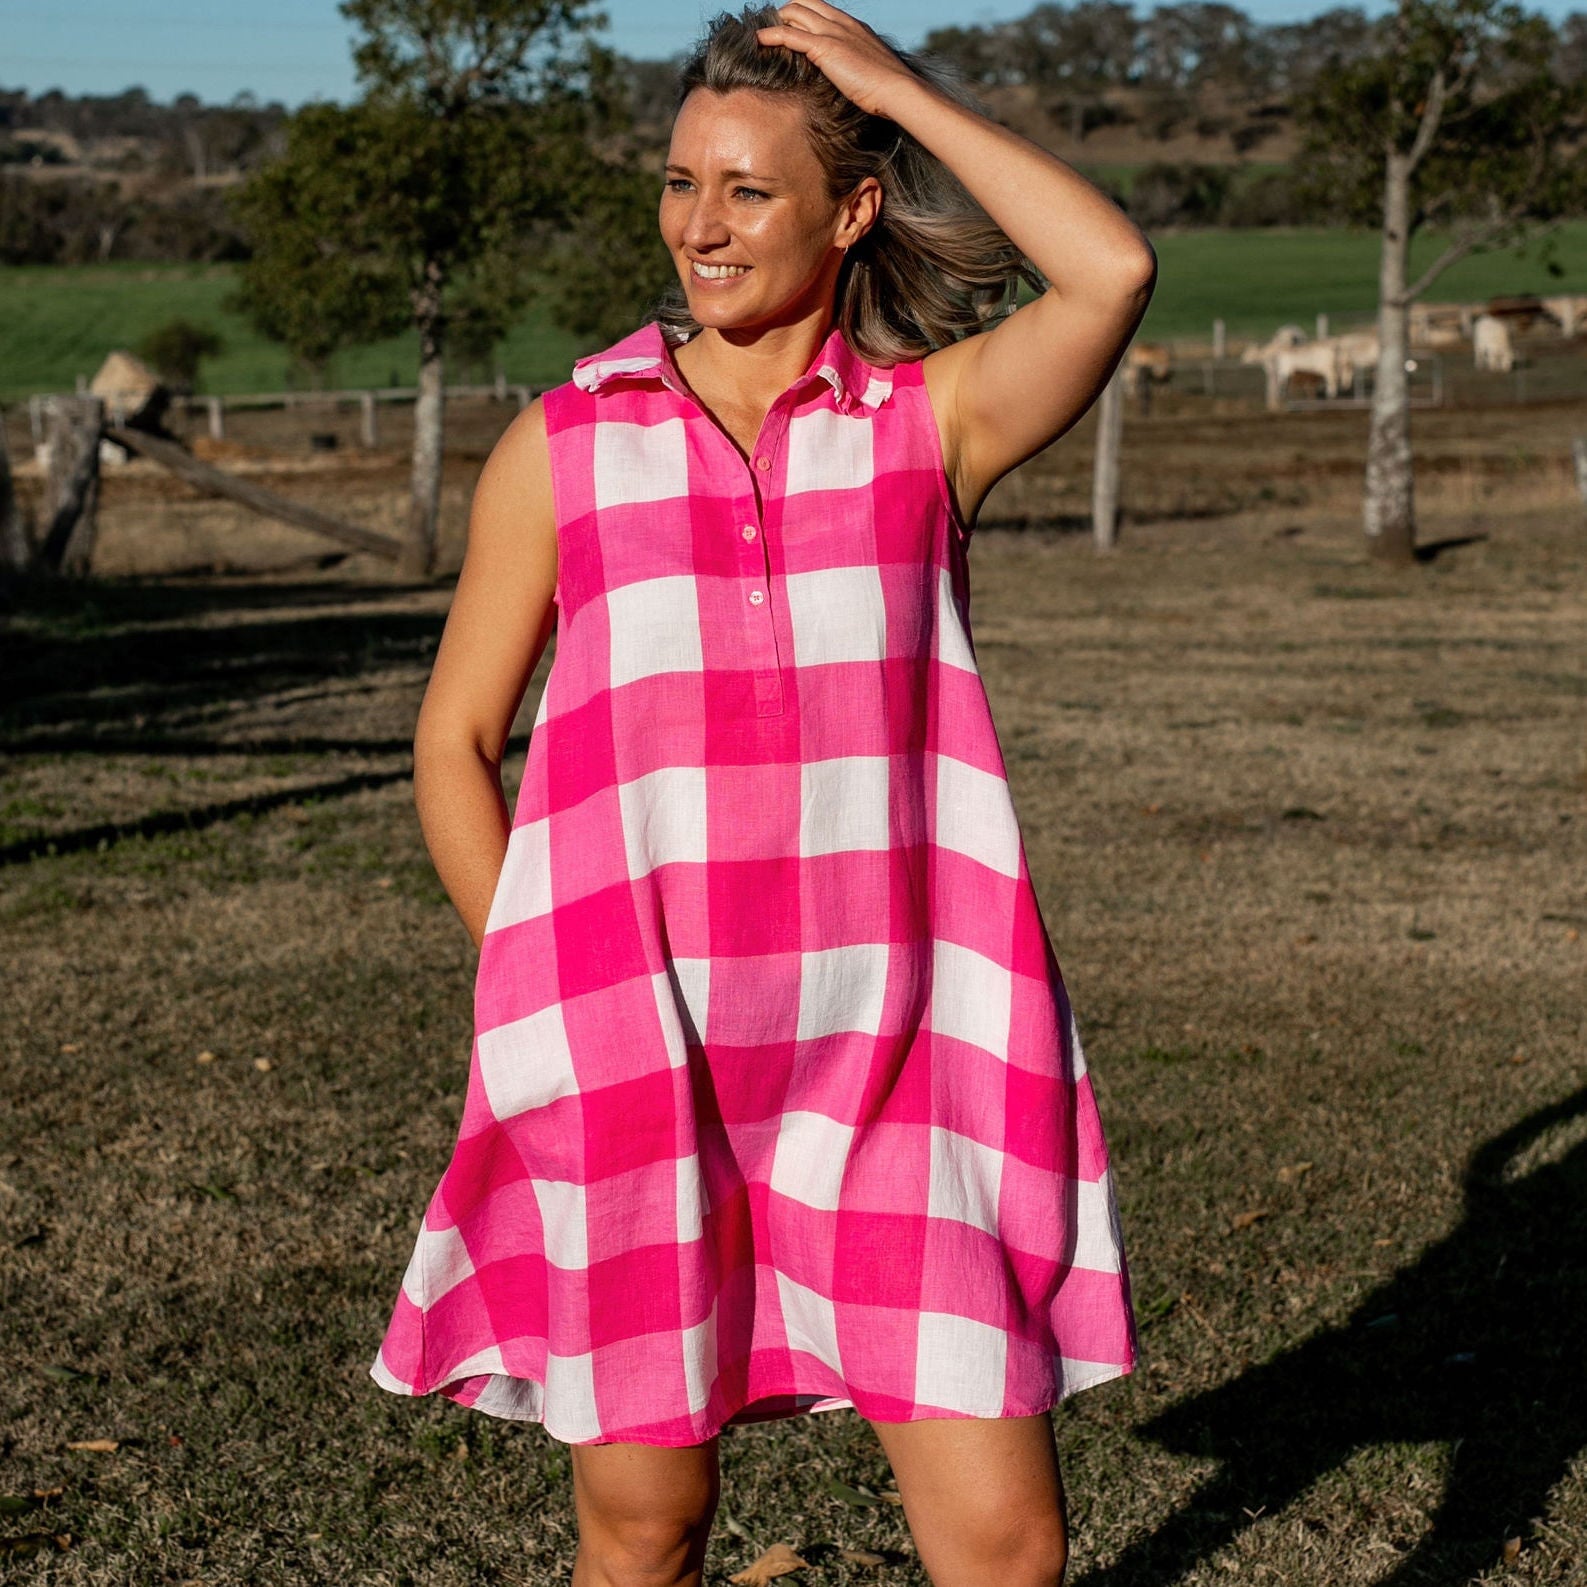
(520, 459)
(514, 511)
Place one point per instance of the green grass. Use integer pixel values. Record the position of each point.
(61, 321)
(1257, 280)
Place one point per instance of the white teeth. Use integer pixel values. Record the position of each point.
(718, 272)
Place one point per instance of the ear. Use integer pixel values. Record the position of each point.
(858, 213)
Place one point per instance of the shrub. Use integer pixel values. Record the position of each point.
(1166, 194)
(176, 349)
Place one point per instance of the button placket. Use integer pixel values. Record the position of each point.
(761, 611)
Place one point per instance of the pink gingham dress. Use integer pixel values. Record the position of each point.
(776, 1102)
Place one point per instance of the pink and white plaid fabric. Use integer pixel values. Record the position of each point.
(776, 1102)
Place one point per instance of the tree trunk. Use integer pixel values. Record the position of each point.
(1389, 506)
(75, 425)
(429, 414)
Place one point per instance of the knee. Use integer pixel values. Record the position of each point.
(1030, 1553)
(643, 1553)
(1039, 1560)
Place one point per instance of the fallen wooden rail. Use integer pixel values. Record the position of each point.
(217, 482)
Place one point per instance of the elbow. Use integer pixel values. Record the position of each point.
(446, 754)
(1137, 271)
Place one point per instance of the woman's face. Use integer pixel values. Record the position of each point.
(745, 212)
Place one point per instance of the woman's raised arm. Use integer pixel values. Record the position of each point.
(1002, 396)
(496, 632)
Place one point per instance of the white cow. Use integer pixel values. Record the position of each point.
(1312, 358)
(1491, 344)
(1571, 312)
(1286, 336)
(1357, 350)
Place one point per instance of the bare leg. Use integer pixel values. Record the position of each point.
(644, 1513)
(983, 1497)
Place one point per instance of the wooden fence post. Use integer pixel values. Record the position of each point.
(217, 418)
(1578, 452)
(1105, 474)
(16, 552)
(1220, 339)
(75, 425)
(1322, 327)
(369, 423)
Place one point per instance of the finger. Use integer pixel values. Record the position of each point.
(798, 14)
(830, 13)
(790, 38)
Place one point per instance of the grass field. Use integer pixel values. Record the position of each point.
(1310, 841)
(60, 322)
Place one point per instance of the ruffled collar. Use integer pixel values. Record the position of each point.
(858, 387)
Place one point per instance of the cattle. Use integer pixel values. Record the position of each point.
(1286, 336)
(1358, 350)
(1520, 313)
(1438, 324)
(1146, 364)
(1491, 344)
(1320, 359)
(1570, 313)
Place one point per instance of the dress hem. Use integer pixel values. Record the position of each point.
(1106, 1372)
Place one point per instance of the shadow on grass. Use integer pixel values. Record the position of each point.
(1476, 1346)
(1434, 549)
(166, 822)
(106, 656)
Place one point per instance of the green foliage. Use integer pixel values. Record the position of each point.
(453, 55)
(175, 350)
(426, 202)
(1466, 92)
(1166, 194)
(609, 268)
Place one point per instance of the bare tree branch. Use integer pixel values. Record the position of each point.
(1432, 114)
(1478, 237)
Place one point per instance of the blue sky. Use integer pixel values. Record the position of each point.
(295, 50)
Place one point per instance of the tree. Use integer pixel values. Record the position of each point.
(609, 268)
(419, 205)
(1457, 121)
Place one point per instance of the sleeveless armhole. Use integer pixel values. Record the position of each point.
(963, 532)
(549, 400)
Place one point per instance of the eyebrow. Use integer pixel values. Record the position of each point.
(735, 173)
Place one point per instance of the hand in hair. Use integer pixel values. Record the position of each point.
(856, 62)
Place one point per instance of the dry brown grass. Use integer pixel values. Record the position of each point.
(1309, 837)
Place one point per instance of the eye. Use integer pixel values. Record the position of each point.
(677, 184)
(748, 192)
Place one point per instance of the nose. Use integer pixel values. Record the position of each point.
(706, 226)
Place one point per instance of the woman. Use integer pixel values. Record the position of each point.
(776, 1103)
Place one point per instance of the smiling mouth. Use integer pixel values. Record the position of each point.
(710, 272)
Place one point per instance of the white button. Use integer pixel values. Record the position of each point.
(756, 597)
(749, 531)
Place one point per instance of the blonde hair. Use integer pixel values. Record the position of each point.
(934, 267)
